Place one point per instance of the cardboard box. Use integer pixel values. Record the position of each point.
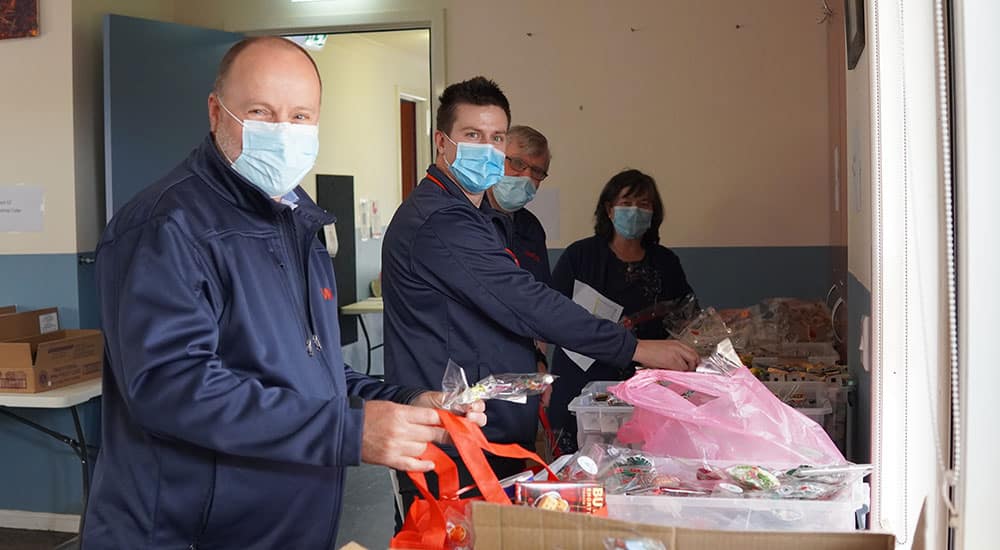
(4, 310)
(522, 528)
(15, 326)
(48, 361)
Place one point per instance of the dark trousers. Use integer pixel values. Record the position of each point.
(502, 467)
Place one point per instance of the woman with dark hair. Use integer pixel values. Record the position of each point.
(624, 262)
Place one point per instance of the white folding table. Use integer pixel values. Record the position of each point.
(369, 305)
(69, 397)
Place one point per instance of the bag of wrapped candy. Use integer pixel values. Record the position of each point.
(674, 314)
(513, 387)
(703, 332)
(680, 477)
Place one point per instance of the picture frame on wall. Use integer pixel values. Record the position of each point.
(18, 18)
(854, 27)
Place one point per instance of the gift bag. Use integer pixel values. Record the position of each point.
(442, 522)
(727, 417)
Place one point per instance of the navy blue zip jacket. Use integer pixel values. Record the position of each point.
(525, 236)
(228, 413)
(452, 291)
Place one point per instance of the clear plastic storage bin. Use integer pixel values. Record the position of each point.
(596, 421)
(817, 405)
(743, 514)
(838, 420)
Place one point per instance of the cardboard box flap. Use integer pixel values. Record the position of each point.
(52, 344)
(14, 326)
(523, 528)
(4, 310)
(72, 347)
(696, 539)
(15, 355)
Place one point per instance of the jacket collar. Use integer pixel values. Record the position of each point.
(207, 162)
(453, 189)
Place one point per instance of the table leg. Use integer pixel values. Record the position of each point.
(368, 344)
(82, 452)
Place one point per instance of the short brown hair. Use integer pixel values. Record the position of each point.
(227, 60)
(475, 91)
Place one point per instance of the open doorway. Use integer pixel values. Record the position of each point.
(374, 140)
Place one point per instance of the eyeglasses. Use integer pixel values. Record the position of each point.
(520, 166)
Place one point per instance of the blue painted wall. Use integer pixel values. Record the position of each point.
(859, 304)
(36, 281)
(38, 473)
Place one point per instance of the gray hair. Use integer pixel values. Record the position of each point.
(529, 139)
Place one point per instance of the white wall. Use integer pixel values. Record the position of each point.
(36, 143)
(724, 102)
(363, 75)
(731, 121)
(859, 169)
(977, 120)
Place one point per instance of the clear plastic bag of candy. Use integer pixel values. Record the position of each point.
(703, 332)
(678, 312)
(723, 361)
(674, 313)
(458, 528)
(513, 387)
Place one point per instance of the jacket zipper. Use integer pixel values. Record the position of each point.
(312, 342)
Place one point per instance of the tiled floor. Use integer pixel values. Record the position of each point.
(367, 517)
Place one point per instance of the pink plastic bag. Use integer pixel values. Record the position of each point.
(719, 417)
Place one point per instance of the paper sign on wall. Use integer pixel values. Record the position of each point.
(545, 206)
(22, 209)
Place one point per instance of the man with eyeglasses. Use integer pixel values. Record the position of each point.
(525, 167)
(454, 291)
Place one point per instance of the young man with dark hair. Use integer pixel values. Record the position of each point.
(454, 291)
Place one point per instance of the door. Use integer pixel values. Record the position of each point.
(408, 146)
(157, 77)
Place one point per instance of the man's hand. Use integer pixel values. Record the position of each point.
(665, 354)
(474, 412)
(395, 435)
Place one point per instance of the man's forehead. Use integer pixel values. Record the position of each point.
(468, 115)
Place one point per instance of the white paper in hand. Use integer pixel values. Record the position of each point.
(598, 305)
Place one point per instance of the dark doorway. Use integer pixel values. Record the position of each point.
(408, 146)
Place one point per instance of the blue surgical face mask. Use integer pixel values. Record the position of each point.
(477, 166)
(632, 222)
(276, 156)
(513, 192)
